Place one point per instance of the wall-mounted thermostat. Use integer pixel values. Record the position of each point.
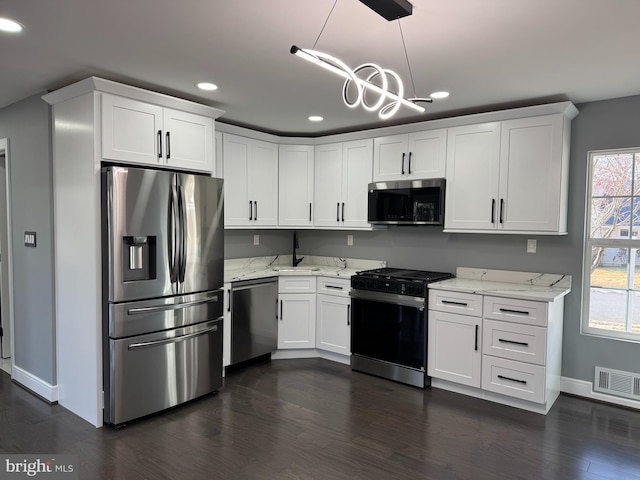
(30, 239)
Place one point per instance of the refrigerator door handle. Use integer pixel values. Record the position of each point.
(156, 343)
(173, 306)
(182, 265)
(173, 235)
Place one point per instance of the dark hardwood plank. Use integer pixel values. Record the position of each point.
(313, 419)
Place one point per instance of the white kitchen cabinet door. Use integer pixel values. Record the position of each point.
(295, 185)
(250, 183)
(473, 159)
(188, 140)
(357, 158)
(531, 174)
(390, 158)
(333, 332)
(219, 170)
(297, 320)
(454, 350)
(132, 131)
(263, 183)
(236, 186)
(327, 185)
(427, 154)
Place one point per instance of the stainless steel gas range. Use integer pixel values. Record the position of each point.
(389, 323)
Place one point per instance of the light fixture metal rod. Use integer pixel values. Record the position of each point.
(365, 84)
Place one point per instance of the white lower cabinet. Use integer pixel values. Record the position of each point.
(504, 346)
(454, 352)
(333, 316)
(296, 312)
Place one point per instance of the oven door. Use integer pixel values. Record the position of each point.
(389, 328)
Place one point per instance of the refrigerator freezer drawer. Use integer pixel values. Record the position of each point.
(150, 373)
(147, 316)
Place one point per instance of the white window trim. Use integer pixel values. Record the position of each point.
(588, 243)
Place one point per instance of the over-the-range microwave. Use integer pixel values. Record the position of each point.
(407, 202)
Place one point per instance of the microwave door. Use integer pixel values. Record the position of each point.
(140, 233)
(201, 263)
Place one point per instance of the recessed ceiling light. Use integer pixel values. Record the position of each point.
(11, 26)
(439, 95)
(316, 118)
(207, 86)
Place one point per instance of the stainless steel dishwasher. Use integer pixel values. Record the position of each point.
(254, 321)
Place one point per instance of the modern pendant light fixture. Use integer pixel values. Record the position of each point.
(369, 77)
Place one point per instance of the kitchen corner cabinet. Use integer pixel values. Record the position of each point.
(296, 312)
(454, 350)
(295, 180)
(250, 182)
(333, 315)
(410, 156)
(144, 133)
(342, 174)
(509, 176)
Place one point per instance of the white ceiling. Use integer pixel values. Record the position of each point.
(488, 53)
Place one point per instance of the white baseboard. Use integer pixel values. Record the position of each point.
(35, 384)
(582, 388)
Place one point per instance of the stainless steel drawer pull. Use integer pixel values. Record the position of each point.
(502, 377)
(477, 328)
(508, 310)
(174, 306)
(524, 344)
(157, 343)
(335, 287)
(449, 302)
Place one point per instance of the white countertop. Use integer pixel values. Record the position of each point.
(239, 269)
(503, 283)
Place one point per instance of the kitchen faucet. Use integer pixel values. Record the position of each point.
(296, 261)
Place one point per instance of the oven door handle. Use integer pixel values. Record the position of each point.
(392, 298)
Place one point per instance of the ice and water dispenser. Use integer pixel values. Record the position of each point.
(139, 259)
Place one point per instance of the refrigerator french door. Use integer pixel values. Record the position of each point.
(162, 289)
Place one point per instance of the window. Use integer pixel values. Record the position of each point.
(612, 247)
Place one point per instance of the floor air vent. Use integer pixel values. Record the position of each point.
(616, 382)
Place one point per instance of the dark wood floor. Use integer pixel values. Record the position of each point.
(314, 419)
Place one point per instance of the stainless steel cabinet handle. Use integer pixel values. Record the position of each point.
(338, 212)
(309, 211)
(349, 315)
(255, 214)
(250, 210)
(501, 209)
(174, 306)
(276, 309)
(409, 163)
(502, 377)
(159, 143)
(157, 343)
(168, 145)
(508, 310)
(280, 309)
(335, 287)
(524, 344)
(229, 297)
(343, 211)
(402, 170)
(477, 328)
(493, 210)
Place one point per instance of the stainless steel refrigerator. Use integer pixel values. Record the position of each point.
(162, 242)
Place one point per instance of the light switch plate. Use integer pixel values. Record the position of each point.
(256, 239)
(532, 245)
(350, 240)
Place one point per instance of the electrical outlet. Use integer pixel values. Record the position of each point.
(532, 245)
(350, 240)
(256, 239)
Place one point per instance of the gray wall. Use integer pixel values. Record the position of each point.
(599, 125)
(27, 126)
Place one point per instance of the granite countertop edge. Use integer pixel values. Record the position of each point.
(501, 289)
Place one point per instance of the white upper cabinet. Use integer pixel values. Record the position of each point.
(508, 177)
(139, 132)
(295, 180)
(251, 182)
(343, 172)
(410, 156)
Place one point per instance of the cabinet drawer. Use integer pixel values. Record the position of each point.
(512, 310)
(514, 341)
(455, 302)
(334, 286)
(515, 379)
(295, 284)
